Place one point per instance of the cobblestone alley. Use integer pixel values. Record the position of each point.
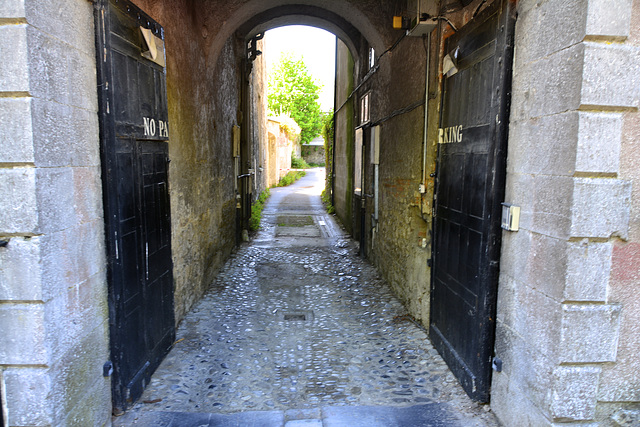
(298, 330)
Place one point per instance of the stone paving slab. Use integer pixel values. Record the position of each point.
(434, 415)
(297, 324)
(195, 419)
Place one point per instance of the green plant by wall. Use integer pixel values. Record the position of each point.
(258, 205)
(290, 178)
(256, 210)
(327, 134)
(326, 200)
(298, 163)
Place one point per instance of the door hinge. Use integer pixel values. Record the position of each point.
(107, 369)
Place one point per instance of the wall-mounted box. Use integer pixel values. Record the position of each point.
(510, 217)
(421, 13)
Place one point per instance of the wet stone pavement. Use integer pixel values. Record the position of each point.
(298, 330)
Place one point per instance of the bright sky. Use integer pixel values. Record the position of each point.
(316, 46)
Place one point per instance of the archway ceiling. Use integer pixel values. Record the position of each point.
(303, 15)
(347, 19)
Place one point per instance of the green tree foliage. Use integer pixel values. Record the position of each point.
(294, 92)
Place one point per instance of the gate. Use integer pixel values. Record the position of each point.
(469, 191)
(134, 154)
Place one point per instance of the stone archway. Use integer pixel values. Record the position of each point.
(346, 19)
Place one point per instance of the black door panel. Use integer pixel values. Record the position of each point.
(134, 135)
(469, 192)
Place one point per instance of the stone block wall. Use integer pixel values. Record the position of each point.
(313, 154)
(565, 323)
(53, 303)
(619, 387)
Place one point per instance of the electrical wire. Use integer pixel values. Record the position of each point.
(392, 46)
(404, 110)
(444, 18)
(375, 68)
(371, 72)
(478, 8)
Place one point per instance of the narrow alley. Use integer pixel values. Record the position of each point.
(299, 330)
(483, 157)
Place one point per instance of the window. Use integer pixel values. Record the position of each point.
(357, 169)
(365, 104)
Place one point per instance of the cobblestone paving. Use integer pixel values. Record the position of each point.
(301, 322)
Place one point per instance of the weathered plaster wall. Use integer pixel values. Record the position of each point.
(258, 123)
(53, 303)
(280, 149)
(399, 244)
(565, 324)
(397, 248)
(344, 145)
(204, 102)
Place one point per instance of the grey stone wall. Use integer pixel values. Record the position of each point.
(559, 332)
(619, 387)
(53, 306)
(313, 154)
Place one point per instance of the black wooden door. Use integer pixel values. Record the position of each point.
(469, 192)
(134, 137)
